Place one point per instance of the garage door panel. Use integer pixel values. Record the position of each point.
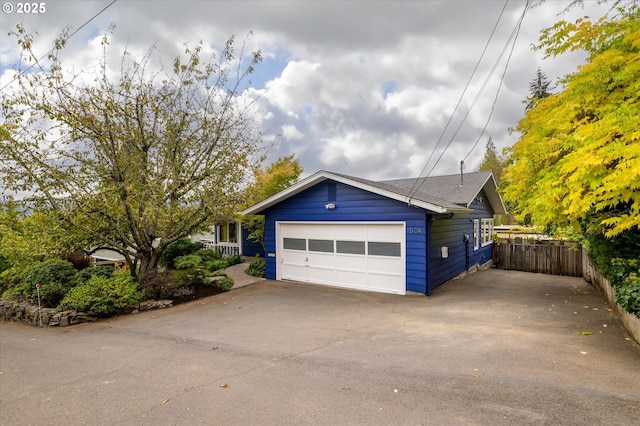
(382, 266)
(350, 232)
(351, 263)
(352, 255)
(382, 232)
(351, 279)
(381, 283)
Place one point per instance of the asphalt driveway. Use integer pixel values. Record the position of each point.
(497, 347)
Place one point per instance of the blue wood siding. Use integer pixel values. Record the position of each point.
(451, 233)
(356, 205)
(250, 248)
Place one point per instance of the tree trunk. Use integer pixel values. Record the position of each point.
(148, 278)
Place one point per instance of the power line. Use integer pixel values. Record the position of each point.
(495, 99)
(52, 50)
(464, 91)
(514, 37)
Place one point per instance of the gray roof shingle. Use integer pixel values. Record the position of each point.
(448, 187)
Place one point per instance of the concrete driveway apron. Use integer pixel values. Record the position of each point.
(497, 347)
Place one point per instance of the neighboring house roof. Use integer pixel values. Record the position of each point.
(439, 194)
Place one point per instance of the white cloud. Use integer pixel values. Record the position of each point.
(364, 88)
(290, 132)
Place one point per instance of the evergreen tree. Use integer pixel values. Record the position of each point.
(538, 89)
(492, 160)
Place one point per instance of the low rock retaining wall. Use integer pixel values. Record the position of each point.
(30, 314)
(592, 275)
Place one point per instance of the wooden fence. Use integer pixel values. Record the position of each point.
(546, 257)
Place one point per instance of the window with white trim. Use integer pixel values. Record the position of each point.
(228, 233)
(487, 231)
(476, 234)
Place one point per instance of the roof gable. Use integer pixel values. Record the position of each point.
(439, 194)
(458, 189)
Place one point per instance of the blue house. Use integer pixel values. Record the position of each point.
(395, 236)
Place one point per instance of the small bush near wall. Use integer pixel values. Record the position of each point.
(625, 279)
(617, 259)
(256, 268)
(54, 277)
(225, 284)
(102, 297)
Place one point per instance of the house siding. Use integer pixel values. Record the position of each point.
(249, 247)
(352, 205)
(450, 233)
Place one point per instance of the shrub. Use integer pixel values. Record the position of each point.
(235, 259)
(216, 264)
(190, 261)
(625, 278)
(176, 249)
(81, 277)
(155, 283)
(257, 268)
(4, 264)
(208, 254)
(17, 293)
(225, 284)
(218, 273)
(10, 278)
(53, 275)
(186, 277)
(102, 297)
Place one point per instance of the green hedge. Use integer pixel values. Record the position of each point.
(102, 297)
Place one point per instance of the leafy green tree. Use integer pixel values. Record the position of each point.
(538, 89)
(26, 238)
(578, 156)
(134, 161)
(280, 175)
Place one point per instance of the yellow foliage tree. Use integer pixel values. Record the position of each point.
(578, 158)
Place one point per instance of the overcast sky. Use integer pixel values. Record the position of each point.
(358, 87)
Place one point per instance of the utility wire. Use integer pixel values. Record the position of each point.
(70, 35)
(514, 37)
(495, 100)
(464, 91)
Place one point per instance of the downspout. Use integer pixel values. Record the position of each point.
(430, 220)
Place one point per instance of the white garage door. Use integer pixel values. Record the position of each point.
(363, 256)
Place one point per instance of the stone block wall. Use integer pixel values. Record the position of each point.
(30, 314)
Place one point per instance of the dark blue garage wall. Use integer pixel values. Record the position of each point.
(352, 205)
(249, 247)
(451, 233)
